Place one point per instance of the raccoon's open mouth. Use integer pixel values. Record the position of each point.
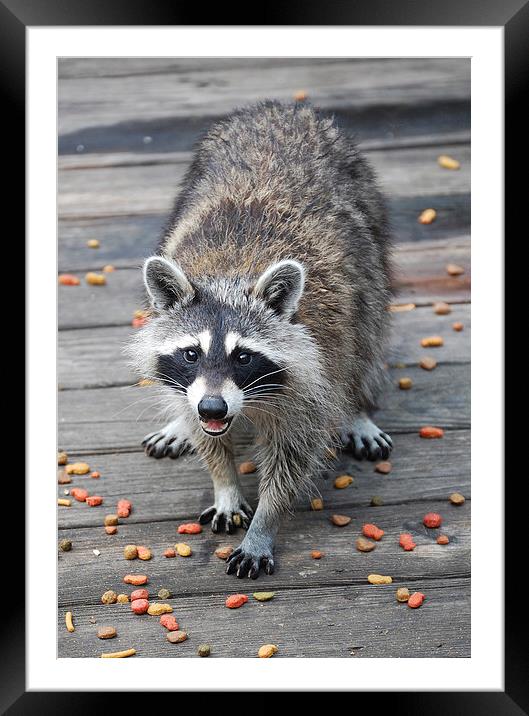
(215, 427)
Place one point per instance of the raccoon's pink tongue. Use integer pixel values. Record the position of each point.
(215, 424)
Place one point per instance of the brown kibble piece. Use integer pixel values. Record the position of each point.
(379, 579)
(316, 554)
(63, 478)
(365, 545)
(108, 632)
(65, 545)
(62, 458)
(443, 539)
(457, 326)
(111, 529)
(223, 552)
(169, 553)
(454, 270)
(441, 308)
(401, 307)
(446, 162)
(316, 503)
(109, 597)
(175, 637)
(144, 553)
(123, 599)
(164, 594)
(402, 594)
(157, 610)
(108, 268)
(204, 650)
(130, 551)
(266, 651)
(428, 363)
(376, 501)
(95, 279)
(111, 520)
(340, 520)
(427, 216)
(77, 468)
(247, 468)
(432, 342)
(343, 481)
(383, 467)
(456, 498)
(405, 383)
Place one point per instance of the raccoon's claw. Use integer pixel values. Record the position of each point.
(242, 564)
(365, 440)
(240, 517)
(161, 443)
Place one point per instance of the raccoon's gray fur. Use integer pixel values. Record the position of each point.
(270, 299)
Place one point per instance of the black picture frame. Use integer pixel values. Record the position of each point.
(513, 16)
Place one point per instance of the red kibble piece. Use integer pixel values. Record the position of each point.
(406, 542)
(236, 601)
(79, 493)
(94, 500)
(443, 539)
(95, 474)
(124, 508)
(416, 599)
(432, 520)
(372, 531)
(169, 553)
(169, 622)
(135, 579)
(430, 432)
(139, 594)
(139, 606)
(190, 528)
(68, 279)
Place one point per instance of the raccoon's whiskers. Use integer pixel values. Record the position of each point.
(273, 372)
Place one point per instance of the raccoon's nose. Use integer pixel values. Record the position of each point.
(212, 407)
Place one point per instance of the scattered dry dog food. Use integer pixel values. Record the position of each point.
(164, 594)
(316, 503)
(144, 553)
(441, 308)
(340, 520)
(365, 545)
(405, 383)
(139, 606)
(401, 307)
(169, 622)
(447, 162)
(190, 528)
(372, 531)
(62, 458)
(135, 579)
(454, 270)
(139, 594)
(95, 279)
(402, 594)
(376, 501)
(427, 216)
(457, 326)
(266, 651)
(63, 478)
(223, 552)
(316, 554)
(119, 654)
(383, 467)
(111, 520)
(204, 650)
(430, 432)
(108, 632)
(175, 637)
(379, 579)
(236, 600)
(130, 551)
(406, 542)
(108, 268)
(94, 500)
(456, 498)
(124, 508)
(183, 549)
(247, 468)
(432, 520)
(443, 539)
(432, 342)
(63, 503)
(343, 481)
(156, 610)
(65, 545)
(416, 599)
(96, 475)
(109, 597)
(169, 553)
(263, 596)
(301, 95)
(77, 468)
(68, 279)
(68, 620)
(123, 599)
(92, 243)
(428, 363)
(79, 493)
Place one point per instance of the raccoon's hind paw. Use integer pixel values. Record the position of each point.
(230, 519)
(165, 442)
(365, 440)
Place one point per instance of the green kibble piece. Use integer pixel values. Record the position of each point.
(376, 501)
(65, 545)
(164, 594)
(263, 596)
(204, 650)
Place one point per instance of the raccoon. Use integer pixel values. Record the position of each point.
(269, 297)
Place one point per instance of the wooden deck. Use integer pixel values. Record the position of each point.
(126, 129)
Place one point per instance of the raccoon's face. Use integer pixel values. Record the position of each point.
(218, 341)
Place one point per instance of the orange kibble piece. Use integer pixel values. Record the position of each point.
(190, 528)
(457, 326)
(416, 599)
(79, 493)
(94, 500)
(247, 468)
(432, 342)
(68, 279)
(429, 431)
(427, 216)
(111, 529)
(316, 554)
(135, 579)
(406, 542)
(236, 600)
(372, 531)
(169, 553)
(441, 308)
(443, 539)
(454, 270)
(383, 467)
(432, 520)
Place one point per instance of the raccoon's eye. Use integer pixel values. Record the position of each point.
(190, 355)
(244, 358)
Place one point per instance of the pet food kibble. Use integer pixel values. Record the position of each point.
(379, 579)
(67, 279)
(266, 651)
(432, 342)
(111, 520)
(247, 468)
(108, 632)
(92, 243)
(457, 326)
(364, 545)
(204, 650)
(124, 508)
(432, 520)
(96, 475)
(62, 458)
(139, 594)
(156, 610)
(427, 216)
(190, 528)
(65, 545)
(263, 596)
(139, 606)
(223, 552)
(300, 95)
(430, 432)
(456, 498)
(428, 363)
(77, 468)
(236, 601)
(447, 162)
(402, 594)
(416, 599)
(383, 467)
(373, 532)
(316, 554)
(454, 270)
(95, 279)
(441, 308)
(94, 500)
(63, 503)
(175, 637)
(144, 553)
(316, 503)
(79, 494)
(130, 551)
(123, 599)
(340, 520)
(108, 268)
(68, 620)
(164, 594)
(119, 654)
(183, 549)
(111, 529)
(135, 579)
(109, 597)
(406, 542)
(401, 307)
(63, 478)
(343, 481)
(169, 622)
(169, 553)
(442, 539)
(405, 383)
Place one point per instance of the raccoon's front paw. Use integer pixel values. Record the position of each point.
(167, 441)
(365, 440)
(248, 559)
(237, 514)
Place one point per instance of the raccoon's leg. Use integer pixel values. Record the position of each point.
(364, 439)
(173, 440)
(257, 548)
(230, 509)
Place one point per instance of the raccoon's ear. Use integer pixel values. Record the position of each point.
(281, 286)
(166, 283)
